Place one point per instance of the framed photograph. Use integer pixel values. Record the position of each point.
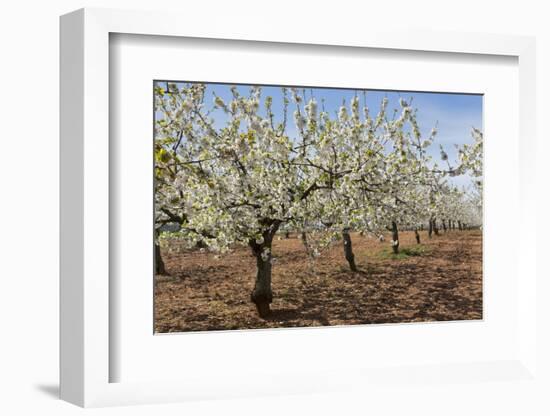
(287, 213)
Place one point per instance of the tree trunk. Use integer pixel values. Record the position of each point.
(348, 249)
(436, 230)
(444, 226)
(421, 227)
(417, 236)
(449, 224)
(287, 234)
(395, 238)
(459, 225)
(430, 228)
(261, 295)
(303, 236)
(159, 263)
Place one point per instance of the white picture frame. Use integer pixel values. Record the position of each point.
(85, 220)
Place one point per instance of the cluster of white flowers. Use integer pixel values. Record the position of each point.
(219, 102)
(343, 114)
(355, 109)
(298, 120)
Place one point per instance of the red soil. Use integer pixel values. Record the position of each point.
(443, 282)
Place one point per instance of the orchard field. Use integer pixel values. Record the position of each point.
(299, 206)
(437, 280)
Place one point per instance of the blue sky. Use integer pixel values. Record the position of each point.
(455, 114)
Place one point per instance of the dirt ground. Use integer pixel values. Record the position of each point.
(440, 280)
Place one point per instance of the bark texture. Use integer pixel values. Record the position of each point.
(395, 237)
(159, 263)
(262, 295)
(348, 250)
(436, 230)
(417, 236)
